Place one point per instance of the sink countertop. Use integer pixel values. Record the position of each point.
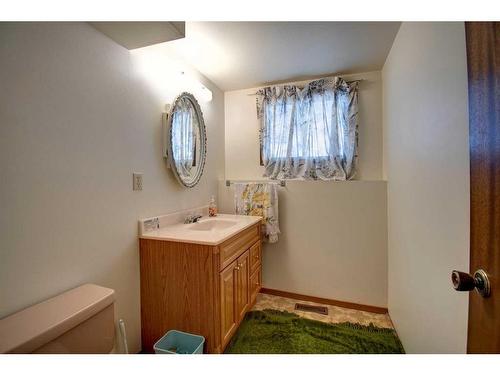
(181, 232)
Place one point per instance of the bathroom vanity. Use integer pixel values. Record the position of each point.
(200, 278)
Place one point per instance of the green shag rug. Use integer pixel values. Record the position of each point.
(281, 332)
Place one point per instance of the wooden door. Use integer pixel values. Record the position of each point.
(483, 64)
(228, 292)
(243, 288)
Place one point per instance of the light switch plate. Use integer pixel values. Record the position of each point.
(137, 181)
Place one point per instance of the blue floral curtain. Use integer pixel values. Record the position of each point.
(309, 132)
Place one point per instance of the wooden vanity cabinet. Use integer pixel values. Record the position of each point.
(201, 289)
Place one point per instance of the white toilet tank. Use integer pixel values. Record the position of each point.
(80, 320)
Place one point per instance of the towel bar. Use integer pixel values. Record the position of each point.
(281, 183)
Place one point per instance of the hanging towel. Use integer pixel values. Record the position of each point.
(259, 199)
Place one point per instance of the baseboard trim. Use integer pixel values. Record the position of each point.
(327, 301)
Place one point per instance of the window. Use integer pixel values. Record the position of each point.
(309, 132)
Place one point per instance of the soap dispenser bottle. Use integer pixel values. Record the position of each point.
(212, 207)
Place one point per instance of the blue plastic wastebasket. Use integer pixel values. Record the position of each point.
(178, 342)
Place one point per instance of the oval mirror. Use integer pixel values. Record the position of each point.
(187, 140)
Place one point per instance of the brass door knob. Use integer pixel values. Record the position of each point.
(463, 281)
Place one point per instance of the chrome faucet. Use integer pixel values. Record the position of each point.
(192, 219)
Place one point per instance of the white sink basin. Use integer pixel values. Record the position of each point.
(212, 225)
(208, 231)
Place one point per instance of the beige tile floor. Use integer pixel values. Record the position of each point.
(335, 314)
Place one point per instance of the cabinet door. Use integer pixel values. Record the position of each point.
(243, 285)
(255, 256)
(255, 283)
(228, 292)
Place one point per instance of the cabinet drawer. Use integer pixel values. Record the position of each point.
(234, 247)
(255, 283)
(255, 256)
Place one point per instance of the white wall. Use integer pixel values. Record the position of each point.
(76, 120)
(427, 166)
(242, 130)
(333, 242)
(334, 234)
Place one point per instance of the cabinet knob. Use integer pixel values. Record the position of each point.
(237, 268)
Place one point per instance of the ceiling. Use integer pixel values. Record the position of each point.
(237, 55)
(133, 35)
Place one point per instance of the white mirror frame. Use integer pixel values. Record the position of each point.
(167, 140)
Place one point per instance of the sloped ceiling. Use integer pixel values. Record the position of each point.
(133, 35)
(237, 55)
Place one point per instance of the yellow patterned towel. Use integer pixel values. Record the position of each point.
(259, 199)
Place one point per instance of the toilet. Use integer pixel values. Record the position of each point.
(80, 320)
